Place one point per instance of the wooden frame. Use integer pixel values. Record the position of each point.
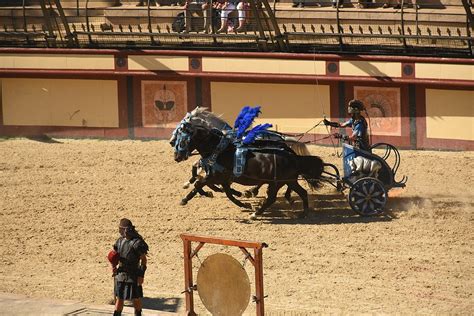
(256, 260)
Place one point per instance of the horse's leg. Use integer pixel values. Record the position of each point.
(194, 175)
(228, 193)
(288, 195)
(197, 187)
(204, 193)
(235, 192)
(215, 188)
(200, 189)
(253, 191)
(303, 195)
(271, 198)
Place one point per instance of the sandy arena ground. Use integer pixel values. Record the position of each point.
(60, 204)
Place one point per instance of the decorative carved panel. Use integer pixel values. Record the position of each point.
(164, 103)
(384, 109)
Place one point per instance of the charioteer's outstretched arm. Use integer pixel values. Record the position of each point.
(332, 124)
(337, 124)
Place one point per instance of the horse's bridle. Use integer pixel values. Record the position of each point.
(183, 134)
(182, 138)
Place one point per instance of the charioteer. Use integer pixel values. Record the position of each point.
(358, 123)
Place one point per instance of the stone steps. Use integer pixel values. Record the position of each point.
(453, 14)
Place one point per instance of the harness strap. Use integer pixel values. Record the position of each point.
(275, 167)
(210, 164)
(239, 161)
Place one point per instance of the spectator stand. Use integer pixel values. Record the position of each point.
(435, 27)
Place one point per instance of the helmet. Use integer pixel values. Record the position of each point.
(355, 106)
(113, 257)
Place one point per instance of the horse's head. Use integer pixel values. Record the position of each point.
(182, 141)
(195, 132)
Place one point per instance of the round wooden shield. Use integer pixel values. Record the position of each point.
(223, 285)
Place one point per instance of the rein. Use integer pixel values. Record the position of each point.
(317, 140)
(301, 135)
(271, 180)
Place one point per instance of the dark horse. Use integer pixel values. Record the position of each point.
(269, 138)
(275, 166)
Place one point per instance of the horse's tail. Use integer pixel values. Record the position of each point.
(311, 169)
(298, 147)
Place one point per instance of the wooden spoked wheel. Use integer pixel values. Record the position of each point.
(368, 197)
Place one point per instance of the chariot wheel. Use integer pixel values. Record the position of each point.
(367, 197)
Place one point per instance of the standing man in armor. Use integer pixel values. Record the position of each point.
(131, 250)
(360, 135)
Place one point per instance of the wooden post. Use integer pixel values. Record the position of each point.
(259, 281)
(282, 45)
(51, 37)
(469, 25)
(69, 36)
(402, 18)
(262, 41)
(188, 278)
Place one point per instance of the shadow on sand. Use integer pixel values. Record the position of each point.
(44, 139)
(169, 304)
(333, 209)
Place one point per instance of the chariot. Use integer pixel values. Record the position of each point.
(368, 193)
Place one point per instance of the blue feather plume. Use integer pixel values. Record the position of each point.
(247, 120)
(241, 115)
(253, 133)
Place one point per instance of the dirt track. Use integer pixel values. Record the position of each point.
(60, 204)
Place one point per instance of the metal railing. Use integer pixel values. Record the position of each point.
(411, 29)
(266, 27)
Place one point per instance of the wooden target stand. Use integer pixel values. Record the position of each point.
(256, 260)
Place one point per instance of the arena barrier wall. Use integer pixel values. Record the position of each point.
(412, 102)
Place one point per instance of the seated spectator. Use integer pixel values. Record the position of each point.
(301, 4)
(389, 2)
(142, 3)
(204, 4)
(242, 9)
(339, 3)
(398, 4)
(362, 4)
(211, 13)
(205, 12)
(227, 8)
